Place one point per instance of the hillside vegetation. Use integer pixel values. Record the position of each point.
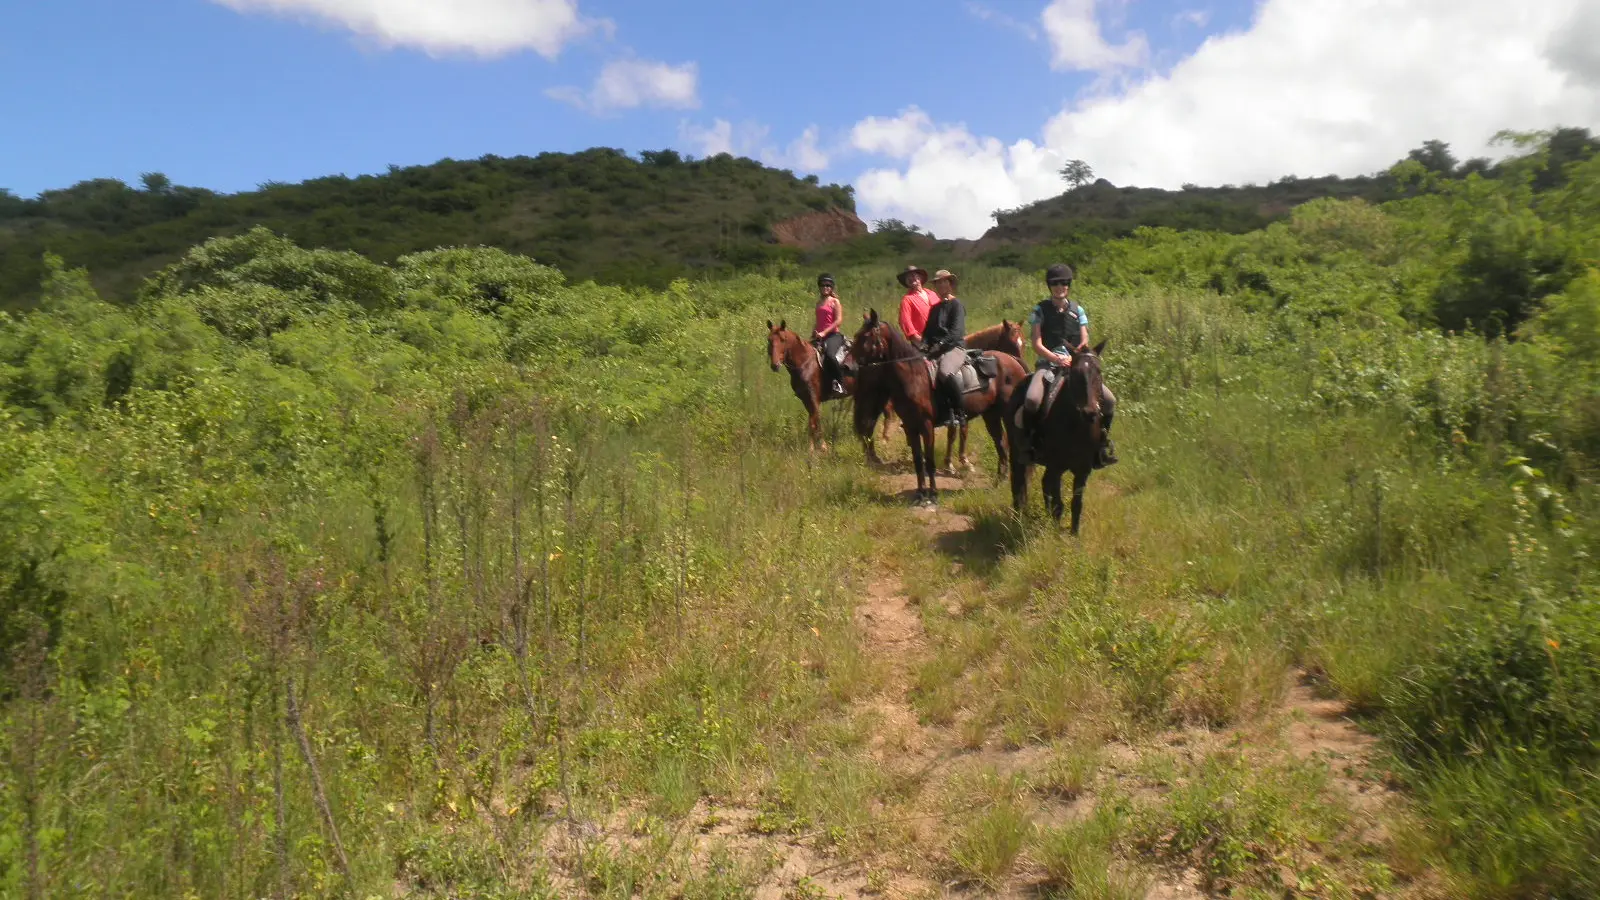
(596, 214)
(451, 578)
(1076, 223)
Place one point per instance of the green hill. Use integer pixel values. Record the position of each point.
(1076, 223)
(596, 214)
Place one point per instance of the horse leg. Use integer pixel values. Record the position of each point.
(815, 424)
(1052, 492)
(931, 441)
(1079, 479)
(949, 448)
(1021, 467)
(914, 441)
(997, 433)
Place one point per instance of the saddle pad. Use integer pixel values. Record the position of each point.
(1050, 394)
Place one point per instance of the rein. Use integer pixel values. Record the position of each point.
(888, 362)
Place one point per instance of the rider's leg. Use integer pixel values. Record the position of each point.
(1108, 411)
(950, 363)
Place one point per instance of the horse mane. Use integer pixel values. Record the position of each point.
(899, 347)
(992, 333)
(1085, 378)
(994, 338)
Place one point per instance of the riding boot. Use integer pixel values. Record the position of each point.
(1108, 450)
(955, 416)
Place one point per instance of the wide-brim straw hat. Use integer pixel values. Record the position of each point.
(945, 275)
(907, 273)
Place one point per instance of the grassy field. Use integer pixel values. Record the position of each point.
(448, 578)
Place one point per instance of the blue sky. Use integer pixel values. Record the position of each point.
(939, 111)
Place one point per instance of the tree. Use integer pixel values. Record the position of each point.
(155, 182)
(1077, 173)
(1435, 156)
(893, 226)
(662, 158)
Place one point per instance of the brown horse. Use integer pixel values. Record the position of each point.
(1067, 439)
(889, 368)
(1004, 338)
(786, 349)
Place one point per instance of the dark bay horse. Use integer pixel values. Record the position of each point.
(1004, 338)
(890, 368)
(1067, 438)
(786, 349)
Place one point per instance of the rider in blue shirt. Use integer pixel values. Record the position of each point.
(1061, 328)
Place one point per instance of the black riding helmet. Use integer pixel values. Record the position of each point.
(1058, 272)
(825, 279)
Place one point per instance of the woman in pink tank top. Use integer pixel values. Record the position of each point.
(827, 334)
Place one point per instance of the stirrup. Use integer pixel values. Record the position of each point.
(1107, 455)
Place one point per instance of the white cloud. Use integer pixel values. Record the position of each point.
(1197, 18)
(898, 137)
(952, 180)
(751, 139)
(480, 27)
(723, 137)
(631, 83)
(1076, 41)
(803, 153)
(987, 13)
(1312, 87)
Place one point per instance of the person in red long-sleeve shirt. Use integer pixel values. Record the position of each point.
(916, 303)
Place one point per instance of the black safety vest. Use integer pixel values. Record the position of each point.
(1059, 328)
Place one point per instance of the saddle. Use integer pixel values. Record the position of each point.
(974, 375)
(1039, 397)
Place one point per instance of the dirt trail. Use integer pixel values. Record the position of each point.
(926, 760)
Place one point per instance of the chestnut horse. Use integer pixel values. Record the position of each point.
(1067, 439)
(1005, 338)
(788, 350)
(889, 367)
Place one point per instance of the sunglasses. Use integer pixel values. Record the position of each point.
(1059, 281)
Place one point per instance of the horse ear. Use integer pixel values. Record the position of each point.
(769, 324)
(1099, 347)
(782, 324)
(1005, 324)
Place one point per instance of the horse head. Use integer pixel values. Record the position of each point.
(776, 342)
(1084, 381)
(872, 341)
(1011, 336)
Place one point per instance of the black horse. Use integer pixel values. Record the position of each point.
(1066, 439)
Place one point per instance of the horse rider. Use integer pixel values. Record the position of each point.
(827, 337)
(916, 303)
(1060, 329)
(944, 341)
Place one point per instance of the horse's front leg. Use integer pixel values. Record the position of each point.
(930, 440)
(1052, 492)
(814, 421)
(1079, 479)
(997, 433)
(1021, 467)
(949, 448)
(914, 441)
